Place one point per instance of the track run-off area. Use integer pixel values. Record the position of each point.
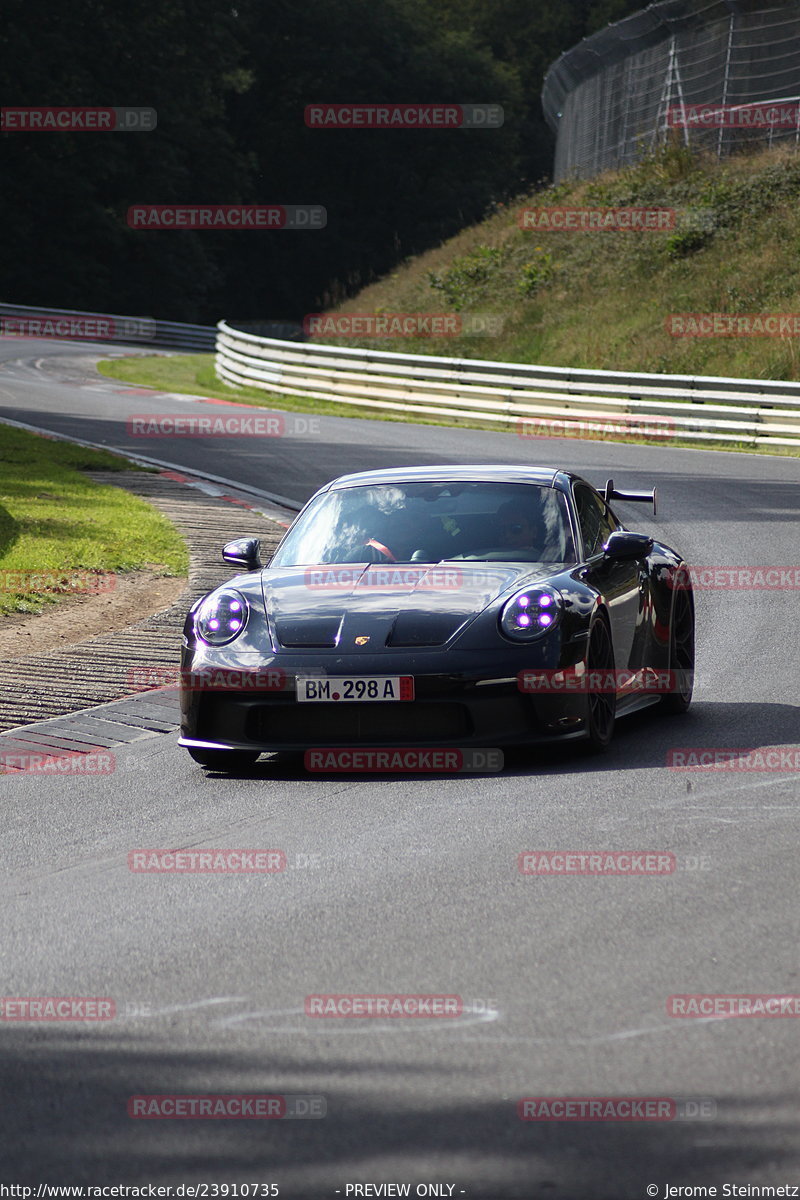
(411, 886)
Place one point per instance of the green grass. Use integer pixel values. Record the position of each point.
(194, 374)
(56, 522)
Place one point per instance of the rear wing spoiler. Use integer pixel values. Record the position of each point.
(610, 493)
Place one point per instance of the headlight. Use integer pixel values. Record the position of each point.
(530, 613)
(221, 617)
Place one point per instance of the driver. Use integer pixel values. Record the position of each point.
(520, 528)
(393, 535)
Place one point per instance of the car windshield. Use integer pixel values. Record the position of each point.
(431, 522)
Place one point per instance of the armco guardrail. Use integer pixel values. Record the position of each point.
(24, 321)
(21, 320)
(754, 412)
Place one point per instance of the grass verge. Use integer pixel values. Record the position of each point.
(193, 374)
(62, 533)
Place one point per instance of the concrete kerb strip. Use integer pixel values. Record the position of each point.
(72, 734)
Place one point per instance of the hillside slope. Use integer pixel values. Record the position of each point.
(601, 298)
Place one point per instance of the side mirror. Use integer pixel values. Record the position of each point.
(625, 545)
(244, 552)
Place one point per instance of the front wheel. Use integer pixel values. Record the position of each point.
(602, 704)
(224, 760)
(681, 654)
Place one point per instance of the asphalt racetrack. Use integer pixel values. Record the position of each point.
(411, 886)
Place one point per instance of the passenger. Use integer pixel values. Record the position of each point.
(520, 528)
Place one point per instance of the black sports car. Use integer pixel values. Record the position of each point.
(439, 606)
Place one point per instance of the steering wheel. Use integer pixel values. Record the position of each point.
(381, 549)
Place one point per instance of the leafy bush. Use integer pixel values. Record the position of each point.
(535, 274)
(687, 241)
(468, 277)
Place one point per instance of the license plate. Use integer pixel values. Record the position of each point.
(342, 688)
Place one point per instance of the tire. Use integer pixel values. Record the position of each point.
(602, 706)
(224, 760)
(681, 652)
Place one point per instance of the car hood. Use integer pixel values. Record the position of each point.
(407, 604)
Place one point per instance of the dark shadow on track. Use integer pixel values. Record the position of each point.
(64, 1097)
(642, 740)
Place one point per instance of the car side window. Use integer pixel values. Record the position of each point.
(596, 520)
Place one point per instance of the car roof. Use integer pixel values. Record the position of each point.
(446, 472)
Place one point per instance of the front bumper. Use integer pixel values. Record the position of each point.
(475, 704)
